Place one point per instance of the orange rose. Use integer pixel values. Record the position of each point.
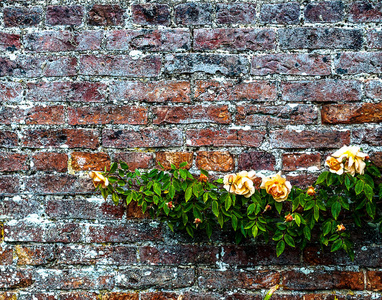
(98, 179)
(289, 218)
(335, 165)
(203, 178)
(311, 191)
(240, 183)
(277, 186)
(341, 227)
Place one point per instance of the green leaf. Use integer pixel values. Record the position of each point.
(170, 226)
(251, 208)
(209, 230)
(280, 247)
(309, 205)
(215, 208)
(190, 231)
(166, 209)
(348, 182)
(124, 165)
(113, 167)
(255, 231)
(297, 218)
(221, 220)
(184, 219)
(183, 164)
(330, 179)
(327, 228)
(359, 187)
(336, 245)
(188, 193)
(173, 166)
(289, 240)
(129, 198)
(115, 198)
(307, 233)
(171, 191)
(204, 172)
(183, 174)
(279, 206)
(370, 209)
(322, 177)
(316, 212)
(368, 190)
(271, 291)
(113, 179)
(228, 202)
(336, 209)
(144, 207)
(374, 171)
(234, 222)
(205, 197)
(157, 188)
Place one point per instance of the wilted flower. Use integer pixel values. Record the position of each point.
(353, 157)
(335, 165)
(170, 205)
(289, 218)
(341, 227)
(240, 183)
(197, 221)
(98, 179)
(311, 191)
(277, 186)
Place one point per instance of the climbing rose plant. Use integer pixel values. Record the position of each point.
(272, 210)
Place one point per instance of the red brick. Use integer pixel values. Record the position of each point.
(358, 62)
(374, 280)
(72, 138)
(66, 91)
(226, 138)
(215, 161)
(175, 158)
(11, 115)
(295, 161)
(151, 14)
(60, 66)
(365, 11)
(302, 180)
(9, 184)
(322, 280)
(10, 278)
(193, 13)
(133, 211)
(324, 12)
(64, 15)
(236, 13)
(159, 296)
(155, 91)
(213, 90)
(256, 161)
(374, 39)
(81, 161)
(22, 16)
(192, 114)
(250, 280)
(376, 158)
(48, 115)
(11, 91)
(13, 162)
(370, 136)
(291, 64)
(286, 139)
(282, 13)
(6, 256)
(178, 255)
(79, 296)
(352, 113)
(106, 15)
(260, 115)
(129, 232)
(322, 90)
(230, 65)
(234, 39)
(374, 89)
(8, 139)
(58, 184)
(9, 41)
(336, 296)
(133, 115)
(18, 207)
(135, 160)
(120, 65)
(143, 138)
(120, 296)
(47, 161)
(55, 41)
(149, 40)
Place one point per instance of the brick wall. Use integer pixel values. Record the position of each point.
(265, 85)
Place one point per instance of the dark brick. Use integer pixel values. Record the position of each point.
(175, 158)
(64, 15)
(8, 139)
(10, 278)
(256, 161)
(295, 161)
(22, 17)
(370, 136)
(106, 15)
(193, 13)
(358, 62)
(135, 160)
(151, 14)
(282, 13)
(365, 11)
(221, 161)
(11, 92)
(11, 115)
(19, 207)
(374, 39)
(9, 41)
(376, 158)
(324, 12)
(13, 162)
(81, 161)
(48, 162)
(236, 13)
(352, 113)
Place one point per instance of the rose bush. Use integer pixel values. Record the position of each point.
(347, 194)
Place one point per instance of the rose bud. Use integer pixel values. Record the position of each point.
(170, 205)
(311, 191)
(197, 221)
(267, 207)
(341, 227)
(98, 179)
(203, 178)
(289, 218)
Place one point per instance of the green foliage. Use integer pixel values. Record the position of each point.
(200, 204)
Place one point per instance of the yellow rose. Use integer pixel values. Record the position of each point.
(277, 186)
(311, 191)
(98, 179)
(240, 183)
(354, 159)
(335, 166)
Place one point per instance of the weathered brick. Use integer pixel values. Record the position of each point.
(11, 115)
(34, 255)
(234, 39)
(194, 114)
(129, 232)
(81, 161)
(155, 91)
(374, 39)
(376, 158)
(281, 13)
(374, 280)
(134, 115)
(320, 138)
(291, 64)
(226, 138)
(6, 256)
(358, 62)
(64, 15)
(10, 278)
(120, 65)
(120, 296)
(45, 115)
(47, 161)
(236, 13)
(370, 136)
(328, 90)
(213, 90)
(322, 280)
(254, 279)
(352, 113)
(159, 296)
(79, 296)
(374, 89)
(149, 40)
(256, 161)
(303, 180)
(19, 207)
(324, 12)
(193, 13)
(151, 14)
(147, 277)
(13, 162)
(106, 15)
(260, 115)
(58, 184)
(295, 161)
(11, 92)
(142, 138)
(66, 91)
(175, 158)
(336, 296)
(55, 41)
(231, 65)
(215, 161)
(9, 41)
(178, 255)
(72, 138)
(135, 160)
(22, 16)
(8, 139)
(365, 11)
(9, 184)
(320, 38)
